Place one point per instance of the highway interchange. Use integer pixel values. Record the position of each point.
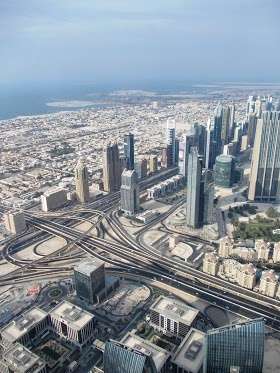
(127, 255)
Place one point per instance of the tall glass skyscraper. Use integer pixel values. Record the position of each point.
(265, 167)
(119, 358)
(128, 149)
(235, 348)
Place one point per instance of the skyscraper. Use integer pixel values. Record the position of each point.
(170, 138)
(153, 164)
(208, 195)
(119, 358)
(111, 168)
(217, 131)
(210, 150)
(184, 148)
(265, 166)
(235, 348)
(128, 149)
(81, 181)
(129, 192)
(193, 189)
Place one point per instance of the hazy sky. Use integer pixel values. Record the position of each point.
(139, 40)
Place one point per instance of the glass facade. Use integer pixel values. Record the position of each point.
(119, 358)
(237, 346)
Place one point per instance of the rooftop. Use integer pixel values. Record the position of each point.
(159, 355)
(189, 355)
(22, 324)
(21, 360)
(175, 310)
(71, 315)
(86, 268)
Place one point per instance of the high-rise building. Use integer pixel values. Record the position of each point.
(251, 130)
(170, 138)
(89, 279)
(276, 253)
(184, 148)
(15, 222)
(166, 157)
(210, 146)
(211, 264)
(81, 181)
(224, 171)
(111, 168)
(193, 189)
(153, 164)
(235, 348)
(207, 197)
(129, 192)
(269, 283)
(201, 141)
(53, 199)
(217, 145)
(119, 358)
(128, 148)
(225, 131)
(265, 166)
(141, 168)
(225, 247)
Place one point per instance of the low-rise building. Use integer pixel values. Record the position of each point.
(159, 355)
(269, 283)
(172, 317)
(189, 356)
(53, 199)
(25, 328)
(211, 264)
(18, 359)
(72, 323)
(225, 247)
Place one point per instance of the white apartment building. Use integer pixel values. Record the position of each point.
(269, 283)
(276, 253)
(247, 276)
(262, 249)
(225, 247)
(211, 264)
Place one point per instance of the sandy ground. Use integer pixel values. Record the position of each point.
(271, 355)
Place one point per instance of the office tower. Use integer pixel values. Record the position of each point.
(129, 192)
(72, 323)
(170, 137)
(81, 181)
(153, 164)
(141, 168)
(166, 157)
(128, 149)
(224, 171)
(53, 198)
(119, 358)
(15, 222)
(111, 168)
(193, 189)
(184, 148)
(231, 121)
(207, 197)
(89, 279)
(210, 150)
(201, 141)
(265, 167)
(235, 348)
(217, 131)
(251, 129)
(176, 155)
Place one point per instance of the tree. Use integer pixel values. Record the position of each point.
(272, 213)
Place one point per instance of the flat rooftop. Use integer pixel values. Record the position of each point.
(159, 355)
(21, 360)
(190, 354)
(175, 310)
(53, 190)
(71, 315)
(22, 324)
(87, 267)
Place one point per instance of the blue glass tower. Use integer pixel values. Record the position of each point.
(235, 348)
(119, 358)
